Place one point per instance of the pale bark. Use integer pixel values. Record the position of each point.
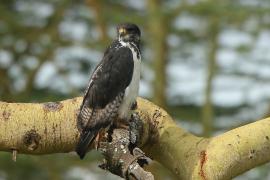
(51, 128)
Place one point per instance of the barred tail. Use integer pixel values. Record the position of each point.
(86, 139)
(87, 134)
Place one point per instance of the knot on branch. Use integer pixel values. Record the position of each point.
(6, 115)
(52, 106)
(31, 139)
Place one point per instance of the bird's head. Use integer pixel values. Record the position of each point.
(128, 32)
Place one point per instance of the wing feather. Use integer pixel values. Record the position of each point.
(112, 76)
(106, 89)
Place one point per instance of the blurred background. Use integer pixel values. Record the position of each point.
(207, 62)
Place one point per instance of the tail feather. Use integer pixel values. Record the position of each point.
(86, 139)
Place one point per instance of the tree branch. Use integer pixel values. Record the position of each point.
(120, 161)
(51, 128)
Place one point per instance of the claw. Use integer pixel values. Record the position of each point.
(134, 105)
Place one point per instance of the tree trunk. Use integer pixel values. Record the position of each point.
(208, 111)
(158, 30)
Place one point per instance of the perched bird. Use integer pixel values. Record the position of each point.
(113, 86)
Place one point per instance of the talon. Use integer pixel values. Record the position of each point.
(134, 105)
(138, 152)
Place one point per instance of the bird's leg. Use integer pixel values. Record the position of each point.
(96, 141)
(99, 138)
(121, 124)
(124, 123)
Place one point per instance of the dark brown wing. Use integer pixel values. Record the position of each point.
(112, 76)
(107, 84)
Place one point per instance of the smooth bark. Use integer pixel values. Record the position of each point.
(51, 128)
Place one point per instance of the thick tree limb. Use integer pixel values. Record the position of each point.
(120, 161)
(51, 128)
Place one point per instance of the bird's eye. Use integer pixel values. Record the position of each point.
(122, 31)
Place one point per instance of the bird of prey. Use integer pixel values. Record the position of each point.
(113, 86)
